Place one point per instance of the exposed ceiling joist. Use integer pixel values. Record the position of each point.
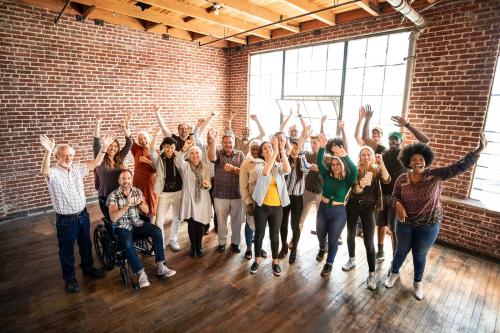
(305, 6)
(368, 7)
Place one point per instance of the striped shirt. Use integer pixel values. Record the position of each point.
(131, 218)
(66, 188)
(294, 185)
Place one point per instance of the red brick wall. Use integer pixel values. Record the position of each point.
(454, 70)
(56, 78)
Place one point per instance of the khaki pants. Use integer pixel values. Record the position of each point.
(165, 200)
(223, 209)
(309, 198)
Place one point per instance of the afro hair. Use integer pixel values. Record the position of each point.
(416, 148)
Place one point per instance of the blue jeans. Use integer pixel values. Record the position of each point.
(248, 235)
(419, 240)
(330, 221)
(146, 230)
(71, 228)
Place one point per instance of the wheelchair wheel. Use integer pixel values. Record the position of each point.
(104, 247)
(124, 275)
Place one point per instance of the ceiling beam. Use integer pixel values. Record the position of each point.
(202, 14)
(261, 13)
(368, 7)
(305, 6)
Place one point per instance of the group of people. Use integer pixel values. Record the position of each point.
(256, 183)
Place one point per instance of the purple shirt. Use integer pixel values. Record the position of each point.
(227, 184)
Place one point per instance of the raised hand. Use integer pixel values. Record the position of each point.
(200, 122)
(339, 151)
(47, 143)
(98, 120)
(341, 125)
(212, 135)
(369, 111)
(322, 140)
(298, 109)
(362, 112)
(378, 159)
(156, 108)
(282, 143)
(274, 143)
(323, 119)
(482, 144)
(253, 117)
(107, 140)
(398, 121)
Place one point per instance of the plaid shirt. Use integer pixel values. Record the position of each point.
(131, 217)
(227, 184)
(66, 188)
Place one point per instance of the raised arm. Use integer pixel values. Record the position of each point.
(96, 144)
(166, 131)
(49, 146)
(212, 137)
(106, 141)
(359, 124)
(302, 122)
(384, 174)
(203, 123)
(268, 165)
(398, 121)
(284, 158)
(321, 154)
(229, 125)
(322, 128)
(285, 121)
(353, 171)
(341, 126)
(152, 148)
(366, 129)
(262, 132)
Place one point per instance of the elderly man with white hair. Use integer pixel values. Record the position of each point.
(66, 189)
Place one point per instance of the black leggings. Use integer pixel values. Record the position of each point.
(366, 212)
(104, 208)
(295, 208)
(263, 214)
(195, 232)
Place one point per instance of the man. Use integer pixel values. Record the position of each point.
(66, 189)
(241, 142)
(227, 199)
(124, 205)
(377, 131)
(293, 133)
(386, 215)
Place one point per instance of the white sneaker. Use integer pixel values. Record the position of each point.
(371, 282)
(174, 245)
(350, 264)
(163, 271)
(391, 280)
(418, 290)
(143, 280)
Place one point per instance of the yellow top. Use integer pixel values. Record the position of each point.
(272, 197)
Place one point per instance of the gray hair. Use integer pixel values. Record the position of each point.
(61, 146)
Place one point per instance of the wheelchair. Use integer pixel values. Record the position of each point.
(110, 254)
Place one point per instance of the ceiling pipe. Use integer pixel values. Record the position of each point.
(411, 14)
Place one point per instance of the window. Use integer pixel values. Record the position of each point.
(486, 183)
(332, 79)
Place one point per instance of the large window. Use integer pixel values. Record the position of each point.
(331, 79)
(486, 184)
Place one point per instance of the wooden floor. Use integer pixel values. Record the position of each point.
(217, 294)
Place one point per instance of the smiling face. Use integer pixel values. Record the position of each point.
(254, 150)
(336, 168)
(64, 156)
(194, 155)
(183, 131)
(245, 133)
(294, 152)
(394, 143)
(315, 144)
(125, 180)
(228, 144)
(168, 150)
(292, 131)
(376, 135)
(142, 140)
(417, 163)
(366, 157)
(267, 151)
(113, 149)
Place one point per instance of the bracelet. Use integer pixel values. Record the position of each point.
(407, 125)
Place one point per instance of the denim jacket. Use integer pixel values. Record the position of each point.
(263, 182)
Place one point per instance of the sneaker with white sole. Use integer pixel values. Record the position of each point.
(163, 271)
(418, 290)
(143, 280)
(391, 280)
(350, 264)
(371, 282)
(174, 245)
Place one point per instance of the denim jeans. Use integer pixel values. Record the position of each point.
(125, 239)
(330, 221)
(248, 235)
(419, 240)
(71, 228)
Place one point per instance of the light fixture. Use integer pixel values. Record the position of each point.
(216, 7)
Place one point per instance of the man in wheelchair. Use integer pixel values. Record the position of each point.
(124, 204)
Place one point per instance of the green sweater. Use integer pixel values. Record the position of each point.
(336, 189)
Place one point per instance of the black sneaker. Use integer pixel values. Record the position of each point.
(97, 273)
(276, 269)
(283, 252)
(292, 257)
(221, 248)
(327, 269)
(263, 254)
(235, 248)
(248, 254)
(321, 255)
(199, 252)
(72, 287)
(192, 252)
(254, 268)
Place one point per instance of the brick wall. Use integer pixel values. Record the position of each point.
(454, 70)
(55, 78)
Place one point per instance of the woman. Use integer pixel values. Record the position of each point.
(270, 195)
(295, 183)
(365, 196)
(144, 173)
(195, 204)
(168, 187)
(108, 172)
(338, 177)
(248, 179)
(417, 197)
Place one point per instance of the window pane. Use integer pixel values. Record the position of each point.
(376, 50)
(374, 79)
(303, 83)
(291, 84)
(319, 57)
(394, 82)
(291, 60)
(265, 85)
(255, 65)
(311, 109)
(276, 85)
(398, 48)
(305, 56)
(254, 85)
(333, 82)
(335, 56)
(493, 117)
(354, 81)
(356, 50)
(318, 83)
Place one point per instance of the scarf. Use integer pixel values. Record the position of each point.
(198, 184)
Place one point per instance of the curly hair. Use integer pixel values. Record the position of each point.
(416, 148)
(337, 141)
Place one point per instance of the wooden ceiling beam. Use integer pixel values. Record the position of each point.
(368, 7)
(261, 13)
(202, 14)
(305, 6)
